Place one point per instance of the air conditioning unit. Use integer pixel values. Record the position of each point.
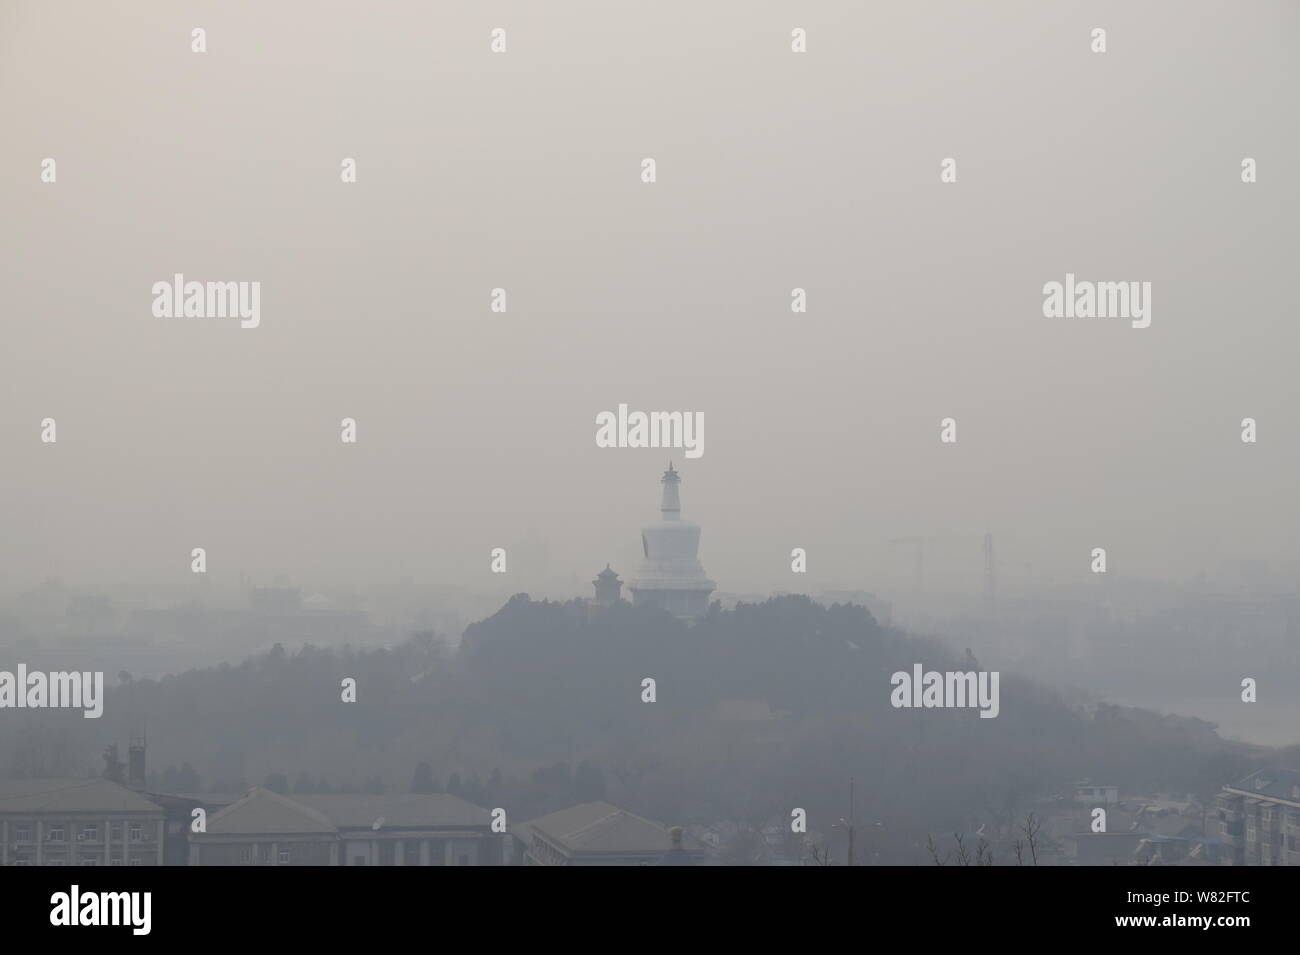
(81, 837)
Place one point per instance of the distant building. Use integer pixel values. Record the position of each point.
(1103, 848)
(82, 822)
(671, 575)
(267, 828)
(1093, 794)
(410, 829)
(1259, 818)
(597, 833)
(179, 817)
(608, 587)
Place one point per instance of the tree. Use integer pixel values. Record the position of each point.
(983, 851)
(113, 767)
(422, 780)
(1030, 828)
(183, 780)
(747, 847)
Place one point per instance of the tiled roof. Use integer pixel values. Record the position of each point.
(70, 795)
(262, 812)
(1277, 783)
(601, 827)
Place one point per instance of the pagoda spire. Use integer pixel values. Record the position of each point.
(671, 507)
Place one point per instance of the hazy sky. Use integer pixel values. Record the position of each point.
(522, 170)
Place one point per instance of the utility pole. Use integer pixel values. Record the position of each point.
(851, 826)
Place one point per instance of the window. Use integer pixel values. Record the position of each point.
(245, 855)
(90, 833)
(284, 857)
(117, 860)
(135, 860)
(464, 860)
(88, 860)
(137, 832)
(116, 830)
(437, 852)
(56, 834)
(23, 834)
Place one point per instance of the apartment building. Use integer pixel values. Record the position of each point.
(82, 822)
(1259, 819)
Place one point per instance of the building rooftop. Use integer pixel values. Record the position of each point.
(264, 812)
(1271, 783)
(601, 827)
(398, 811)
(207, 799)
(70, 795)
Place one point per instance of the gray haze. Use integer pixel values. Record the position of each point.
(775, 171)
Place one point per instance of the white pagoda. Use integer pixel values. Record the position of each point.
(671, 576)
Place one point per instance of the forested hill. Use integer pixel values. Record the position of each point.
(756, 709)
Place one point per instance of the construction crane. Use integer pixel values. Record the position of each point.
(990, 563)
